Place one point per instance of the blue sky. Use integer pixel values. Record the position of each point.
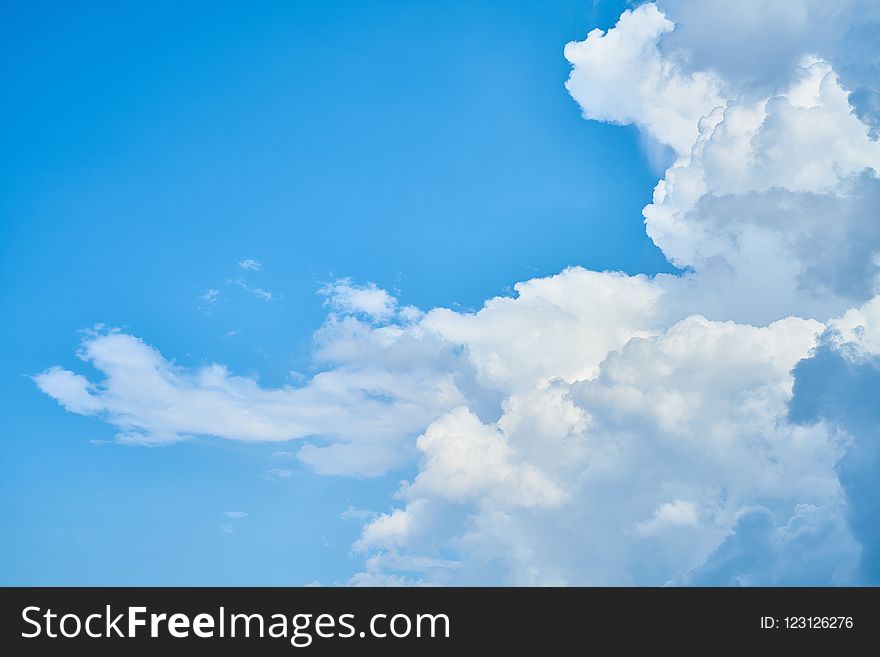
(393, 226)
(149, 150)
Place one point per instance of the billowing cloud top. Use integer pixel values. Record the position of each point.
(599, 428)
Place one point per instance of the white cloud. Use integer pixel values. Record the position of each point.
(465, 460)
(236, 515)
(622, 77)
(250, 264)
(345, 297)
(360, 515)
(670, 515)
(273, 474)
(711, 34)
(258, 292)
(560, 326)
(378, 566)
(764, 159)
(152, 401)
(859, 328)
(73, 391)
(695, 414)
(210, 296)
(771, 205)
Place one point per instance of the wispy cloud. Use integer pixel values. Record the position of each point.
(368, 300)
(258, 292)
(233, 517)
(208, 300)
(273, 474)
(210, 296)
(250, 264)
(359, 515)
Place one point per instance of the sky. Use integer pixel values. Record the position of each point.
(410, 293)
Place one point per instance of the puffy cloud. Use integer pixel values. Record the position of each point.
(859, 328)
(622, 77)
(346, 297)
(73, 391)
(559, 326)
(600, 428)
(386, 376)
(634, 475)
(779, 33)
(713, 35)
(765, 158)
(773, 201)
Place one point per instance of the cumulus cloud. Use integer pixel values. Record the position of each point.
(837, 386)
(373, 302)
(773, 201)
(621, 76)
(764, 162)
(632, 475)
(596, 427)
(779, 33)
(73, 391)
